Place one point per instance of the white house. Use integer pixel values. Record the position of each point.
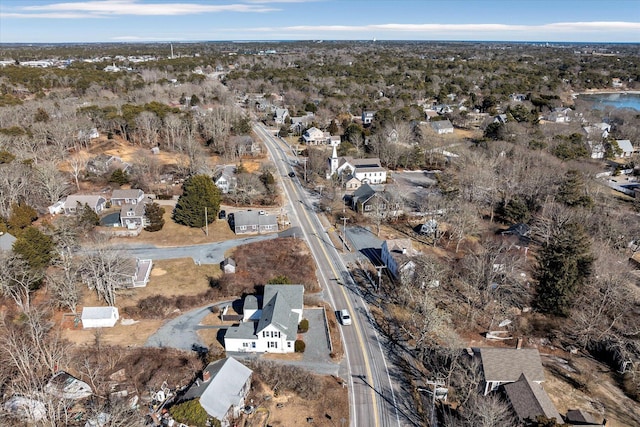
(626, 147)
(224, 179)
(99, 317)
(367, 117)
(396, 256)
(95, 202)
(222, 390)
(272, 329)
(314, 136)
(57, 207)
(367, 171)
(560, 115)
(280, 115)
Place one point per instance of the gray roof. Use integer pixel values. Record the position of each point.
(250, 303)
(507, 364)
(278, 303)
(97, 312)
(364, 192)
(441, 124)
(137, 209)
(84, 199)
(529, 400)
(228, 261)
(223, 390)
(625, 145)
(246, 330)
(6, 241)
(249, 218)
(134, 193)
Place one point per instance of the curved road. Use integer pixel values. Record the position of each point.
(372, 395)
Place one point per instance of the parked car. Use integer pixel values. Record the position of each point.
(262, 212)
(222, 214)
(292, 174)
(345, 318)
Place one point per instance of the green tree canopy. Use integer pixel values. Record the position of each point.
(154, 213)
(119, 176)
(279, 280)
(22, 215)
(35, 247)
(572, 191)
(193, 414)
(564, 263)
(198, 192)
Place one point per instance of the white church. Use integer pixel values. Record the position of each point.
(364, 171)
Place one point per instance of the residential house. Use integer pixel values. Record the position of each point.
(518, 97)
(222, 390)
(228, 265)
(103, 163)
(442, 127)
(280, 115)
(506, 365)
(247, 146)
(135, 273)
(276, 327)
(225, 179)
(132, 216)
(397, 256)
(367, 171)
(127, 197)
(57, 207)
(367, 117)
(244, 222)
(369, 200)
(500, 119)
(430, 114)
(6, 242)
(334, 140)
(598, 131)
(78, 201)
(314, 136)
(560, 115)
(626, 147)
(529, 400)
(352, 184)
(298, 124)
(99, 317)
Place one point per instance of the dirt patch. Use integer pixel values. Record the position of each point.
(329, 408)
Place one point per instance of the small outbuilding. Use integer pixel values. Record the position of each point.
(99, 317)
(228, 266)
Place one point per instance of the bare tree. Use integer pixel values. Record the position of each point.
(77, 163)
(53, 183)
(104, 271)
(17, 279)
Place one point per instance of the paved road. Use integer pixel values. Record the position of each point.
(208, 253)
(372, 395)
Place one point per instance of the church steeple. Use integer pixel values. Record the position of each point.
(334, 160)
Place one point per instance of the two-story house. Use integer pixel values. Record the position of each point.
(272, 328)
(127, 197)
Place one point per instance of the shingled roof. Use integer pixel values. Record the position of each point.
(507, 364)
(529, 400)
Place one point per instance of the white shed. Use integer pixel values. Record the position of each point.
(99, 317)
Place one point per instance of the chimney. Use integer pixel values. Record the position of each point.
(206, 376)
(519, 343)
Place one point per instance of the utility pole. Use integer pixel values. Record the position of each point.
(344, 232)
(206, 221)
(379, 268)
(435, 383)
(305, 169)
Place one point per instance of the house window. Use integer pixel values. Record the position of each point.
(264, 334)
(368, 208)
(242, 227)
(288, 344)
(253, 345)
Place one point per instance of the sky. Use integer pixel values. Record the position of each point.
(67, 21)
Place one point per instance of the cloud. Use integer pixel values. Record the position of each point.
(106, 8)
(566, 31)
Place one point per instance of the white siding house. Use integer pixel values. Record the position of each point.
(99, 317)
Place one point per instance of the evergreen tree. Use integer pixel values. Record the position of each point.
(35, 247)
(198, 192)
(563, 265)
(572, 191)
(119, 176)
(333, 128)
(87, 218)
(192, 413)
(154, 213)
(22, 215)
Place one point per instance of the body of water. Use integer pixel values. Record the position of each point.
(616, 100)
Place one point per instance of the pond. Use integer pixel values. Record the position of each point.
(111, 220)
